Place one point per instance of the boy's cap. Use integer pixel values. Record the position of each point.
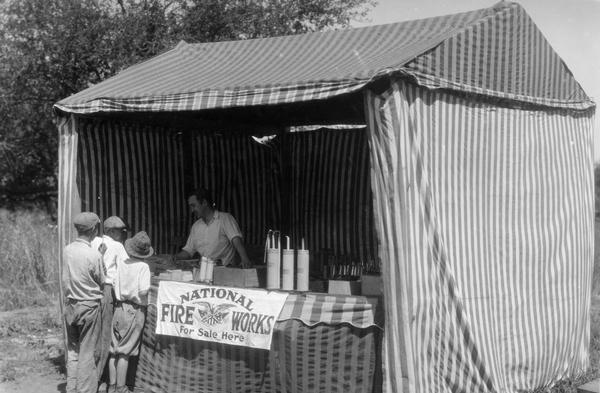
(86, 220)
(114, 222)
(139, 246)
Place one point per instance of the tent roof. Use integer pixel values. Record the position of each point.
(496, 51)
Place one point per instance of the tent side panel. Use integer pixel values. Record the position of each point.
(389, 212)
(68, 195)
(485, 218)
(331, 203)
(135, 172)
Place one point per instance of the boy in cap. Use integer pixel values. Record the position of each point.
(83, 278)
(131, 291)
(113, 253)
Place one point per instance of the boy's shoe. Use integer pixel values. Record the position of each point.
(122, 389)
(111, 389)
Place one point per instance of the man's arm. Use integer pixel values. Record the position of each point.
(187, 252)
(97, 269)
(241, 249)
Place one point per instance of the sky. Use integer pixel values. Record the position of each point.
(572, 27)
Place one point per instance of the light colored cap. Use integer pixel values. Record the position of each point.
(86, 220)
(114, 222)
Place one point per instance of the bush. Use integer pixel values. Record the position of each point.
(28, 259)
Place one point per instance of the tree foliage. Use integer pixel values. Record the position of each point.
(51, 49)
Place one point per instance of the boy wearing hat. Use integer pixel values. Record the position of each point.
(113, 253)
(132, 284)
(83, 279)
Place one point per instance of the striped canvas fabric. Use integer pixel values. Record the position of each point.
(138, 173)
(485, 217)
(314, 308)
(134, 172)
(243, 177)
(502, 55)
(331, 200)
(496, 51)
(322, 358)
(251, 180)
(68, 195)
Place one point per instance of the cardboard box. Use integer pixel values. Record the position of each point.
(371, 285)
(255, 277)
(340, 287)
(176, 275)
(317, 286)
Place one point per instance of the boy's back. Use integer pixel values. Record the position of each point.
(133, 277)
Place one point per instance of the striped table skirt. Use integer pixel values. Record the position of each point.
(318, 358)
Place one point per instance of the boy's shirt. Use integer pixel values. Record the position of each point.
(115, 254)
(133, 276)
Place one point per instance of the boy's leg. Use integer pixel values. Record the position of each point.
(112, 370)
(122, 365)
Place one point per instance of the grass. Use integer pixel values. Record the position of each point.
(29, 280)
(28, 260)
(30, 327)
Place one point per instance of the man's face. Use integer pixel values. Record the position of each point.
(117, 234)
(196, 206)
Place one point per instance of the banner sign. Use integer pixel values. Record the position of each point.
(235, 316)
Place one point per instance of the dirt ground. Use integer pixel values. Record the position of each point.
(32, 355)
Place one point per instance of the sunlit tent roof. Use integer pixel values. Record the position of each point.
(497, 52)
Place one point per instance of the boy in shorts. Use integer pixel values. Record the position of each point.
(132, 284)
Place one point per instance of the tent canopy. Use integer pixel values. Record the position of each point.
(497, 52)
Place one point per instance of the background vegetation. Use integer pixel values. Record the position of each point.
(28, 259)
(51, 49)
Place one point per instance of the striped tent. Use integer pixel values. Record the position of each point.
(472, 181)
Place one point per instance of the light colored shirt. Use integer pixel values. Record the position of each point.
(83, 271)
(133, 276)
(213, 239)
(114, 255)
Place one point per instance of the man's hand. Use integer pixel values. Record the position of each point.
(102, 248)
(245, 263)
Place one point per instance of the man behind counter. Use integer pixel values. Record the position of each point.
(215, 235)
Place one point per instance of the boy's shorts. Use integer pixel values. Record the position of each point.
(127, 326)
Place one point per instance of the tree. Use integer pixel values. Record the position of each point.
(51, 49)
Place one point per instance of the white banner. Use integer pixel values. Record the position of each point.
(226, 315)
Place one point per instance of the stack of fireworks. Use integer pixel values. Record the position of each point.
(280, 264)
(205, 273)
(345, 268)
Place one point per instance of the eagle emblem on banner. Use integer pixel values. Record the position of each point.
(213, 315)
